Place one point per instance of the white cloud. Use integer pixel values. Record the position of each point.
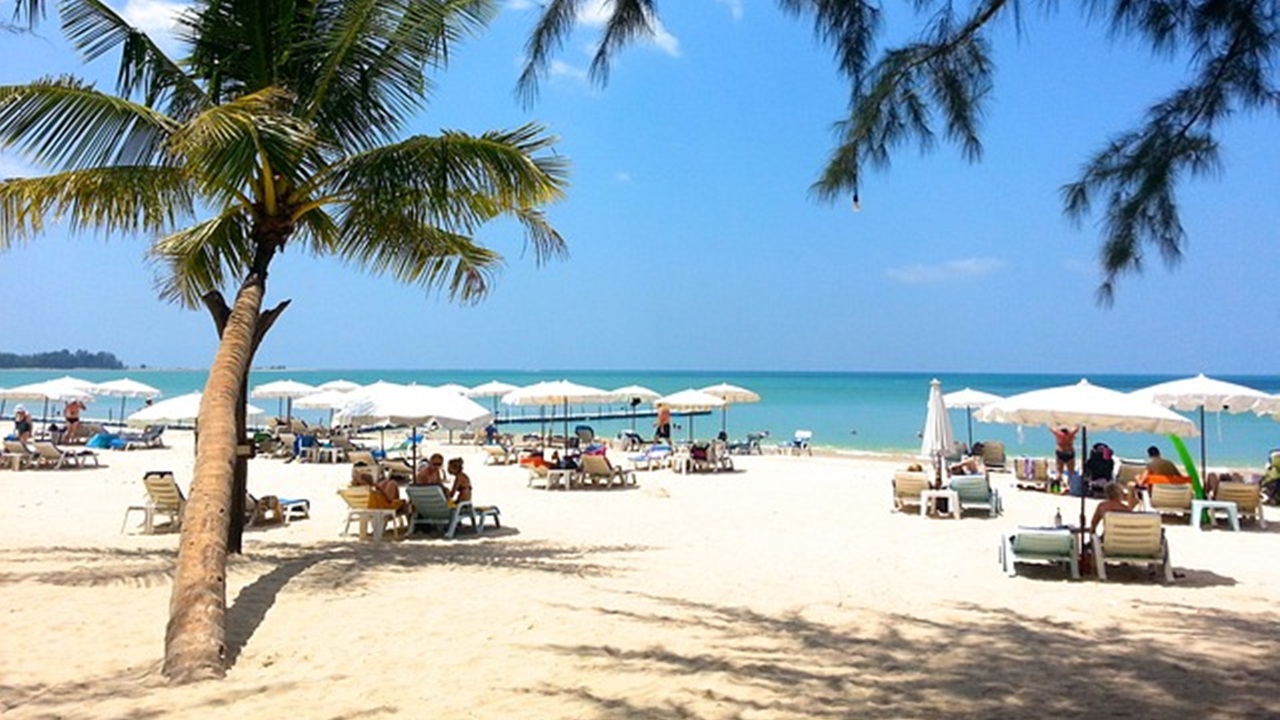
(560, 68)
(12, 167)
(735, 7)
(964, 269)
(157, 18)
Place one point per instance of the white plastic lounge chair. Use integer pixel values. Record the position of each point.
(18, 456)
(164, 498)
(500, 455)
(1056, 545)
(1171, 499)
(51, 456)
(272, 509)
(993, 454)
(976, 491)
(432, 510)
(655, 456)
(597, 470)
(1136, 538)
(1246, 496)
(907, 487)
(1031, 472)
(708, 457)
(371, 521)
(799, 444)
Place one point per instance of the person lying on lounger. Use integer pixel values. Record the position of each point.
(1118, 499)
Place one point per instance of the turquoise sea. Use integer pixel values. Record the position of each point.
(864, 411)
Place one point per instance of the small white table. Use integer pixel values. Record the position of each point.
(1198, 506)
(929, 501)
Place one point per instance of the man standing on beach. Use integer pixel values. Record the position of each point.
(1065, 453)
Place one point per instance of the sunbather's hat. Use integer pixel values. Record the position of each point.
(19, 408)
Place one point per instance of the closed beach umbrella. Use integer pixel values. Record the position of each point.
(283, 389)
(1087, 406)
(730, 394)
(969, 399)
(936, 438)
(180, 410)
(690, 401)
(1205, 393)
(556, 392)
(633, 395)
(125, 388)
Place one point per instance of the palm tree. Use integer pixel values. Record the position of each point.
(279, 127)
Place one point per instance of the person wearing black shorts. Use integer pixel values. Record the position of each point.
(1066, 450)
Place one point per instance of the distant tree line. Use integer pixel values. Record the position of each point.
(62, 360)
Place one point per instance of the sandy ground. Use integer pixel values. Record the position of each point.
(786, 589)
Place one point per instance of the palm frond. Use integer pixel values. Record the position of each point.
(201, 258)
(554, 26)
(368, 70)
(417, 254)
(64, 124)
(114, 200)
(630, 19)
(247, 148)
(456, 180)
(95, 29)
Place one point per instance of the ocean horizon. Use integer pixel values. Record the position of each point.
(862, 411)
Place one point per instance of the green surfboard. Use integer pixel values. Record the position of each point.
(1189, 464)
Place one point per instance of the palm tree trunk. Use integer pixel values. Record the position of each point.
(195, 646)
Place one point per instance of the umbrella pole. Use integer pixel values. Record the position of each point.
(122, 410)
(969, 421)
(1084, 443)
(413, 438)
(1204, 468)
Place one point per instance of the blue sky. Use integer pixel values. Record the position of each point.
(694, 242)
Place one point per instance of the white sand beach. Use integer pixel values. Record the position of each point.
(786, 589)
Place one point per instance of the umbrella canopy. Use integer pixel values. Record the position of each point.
(125, 388)
(494, 389)
(634, 395)
(412, 405)
(63, 389)
(182, 409)
(455, 388)
(1205, 393)
(324, 400)
(969, 399)
(688, 401)
(556, 392)
(338, 385)
(1089, 406)
(730, 394)
(936, 438)
(287, 389)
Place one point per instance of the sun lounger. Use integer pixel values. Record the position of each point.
(432, 511)
(500, 455)
(1171, 499)
(51, 456)
(164, 498)
(1246, 496)
(976, 491)
(1135, 538)
(907, 487)
(371, 521)
(1055, 545)
(18, 456)
(597, 470)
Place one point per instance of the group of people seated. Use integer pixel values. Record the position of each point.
(429, 472)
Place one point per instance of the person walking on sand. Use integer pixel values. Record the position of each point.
(1065, 452)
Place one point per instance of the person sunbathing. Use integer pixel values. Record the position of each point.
(1118, 499)
(968, 466)
(461, 490)
(432, 473)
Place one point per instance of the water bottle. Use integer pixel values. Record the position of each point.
(1057, 517)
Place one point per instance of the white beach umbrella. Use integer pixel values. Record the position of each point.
(179, 410)
(338, 385)
(286, 389)
(494, 389)
(1087, 406)
(455, 388)
(633, 395)
(125, 388)
(936, 438)
(730, 394)
(413, 405)
(969, 399)
(689, 401)
(63, 389)
(331, 400)
(556, 392)
(1205, 393)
